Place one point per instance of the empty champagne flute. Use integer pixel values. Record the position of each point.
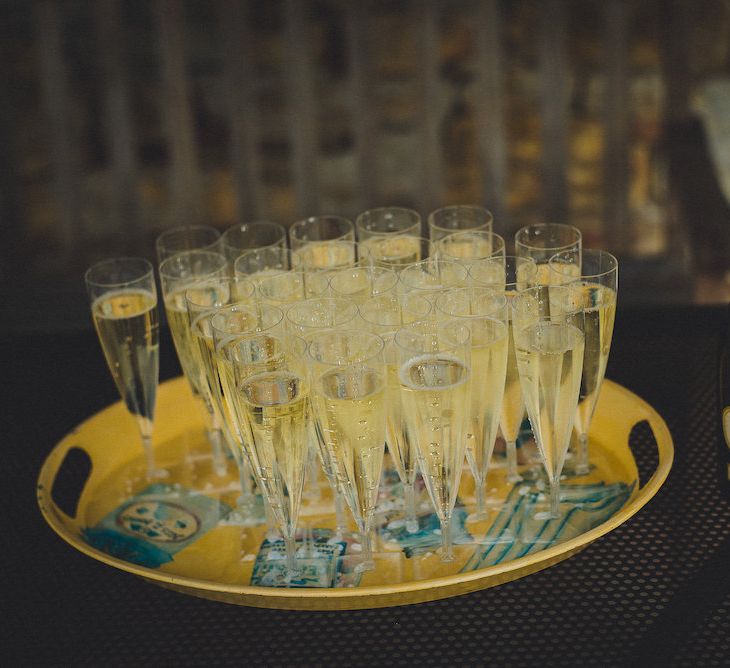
(348, 398)
(484, 312)
(203, 299)
(549, 340)
(541, 241)
(124, 309)
(186, 238)
(598, 289)
(434, 372)
(510, 275)
(459, 218)
(177, 273)
(384, 315)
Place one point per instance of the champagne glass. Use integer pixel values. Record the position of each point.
(549, 341)
(360, 283)
(466, 247)
(271, 398)
(387, 221)
(186, 238)
(124, 309)
(598, 289)
(510, 275)
(432, 277)
(541, 241)
(177, 273)
(348, 398)
(260, 263)
(243, 237)
(434, 373)
(203, 300)
(393, 232)
(384, 315)
(394, 251)
(484, 312)
(460, 218)
(305, 319)
(322, 242)
(239, 330)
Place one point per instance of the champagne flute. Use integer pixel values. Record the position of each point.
(186, 238)
(271, 399)
(286, 288)
(239, 330)
(549, 341)
(124, 309)
(434, 373)
(348, 398)
(384, 315)
(484, 312)
(305, 319)
(459, 218)
(203, 299)
(394, 251)
(243, 237)
(467, 247)
(598, 289)
(322, 242)
(510, 275)
(541, 241)
(177, 273)
(260, 263)
(360, 283)
(391, 234)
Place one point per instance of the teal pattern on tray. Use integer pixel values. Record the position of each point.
(155, 524)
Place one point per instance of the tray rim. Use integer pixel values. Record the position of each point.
(372, 596)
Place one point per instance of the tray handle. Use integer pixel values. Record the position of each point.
(662, 452)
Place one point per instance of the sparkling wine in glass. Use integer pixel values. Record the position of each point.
(510, 275)
(484, 312)
(549, 342)
(541, 241)
(124, 310)
(468, 247)
(434, 369)
(348, 399)
(384, 315)
(597, 288)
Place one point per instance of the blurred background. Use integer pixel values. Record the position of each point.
(121, 118)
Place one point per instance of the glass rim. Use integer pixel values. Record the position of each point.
(519, 259)
(266, 224)
(558, 249)
(149, 270)
(587, 252)
(343, 304)
(371, 269)
(205, 282)
(421, 264)
(256, 310)
(488, 216)
(516, 303)
(159, 240)
(439, 245)
(451, 294)
(377, 342)
(412, 214)
(251, 252)
(310, 220)
(390, 298)
(176, 257)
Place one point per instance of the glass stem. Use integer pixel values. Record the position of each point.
(291, 555)
(150, 456)
(244, 477)
(555, 498)
(481, 497)
(219, 458)
(409, 499)
(582, 466)
(366, 540)
(512, 472)
(339, 511)
(447, 551)
(271, 530)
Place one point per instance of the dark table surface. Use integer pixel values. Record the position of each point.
(654, 591)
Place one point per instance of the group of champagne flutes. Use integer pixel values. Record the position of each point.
(329, 342)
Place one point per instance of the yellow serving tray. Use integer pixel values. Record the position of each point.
(185, 534)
